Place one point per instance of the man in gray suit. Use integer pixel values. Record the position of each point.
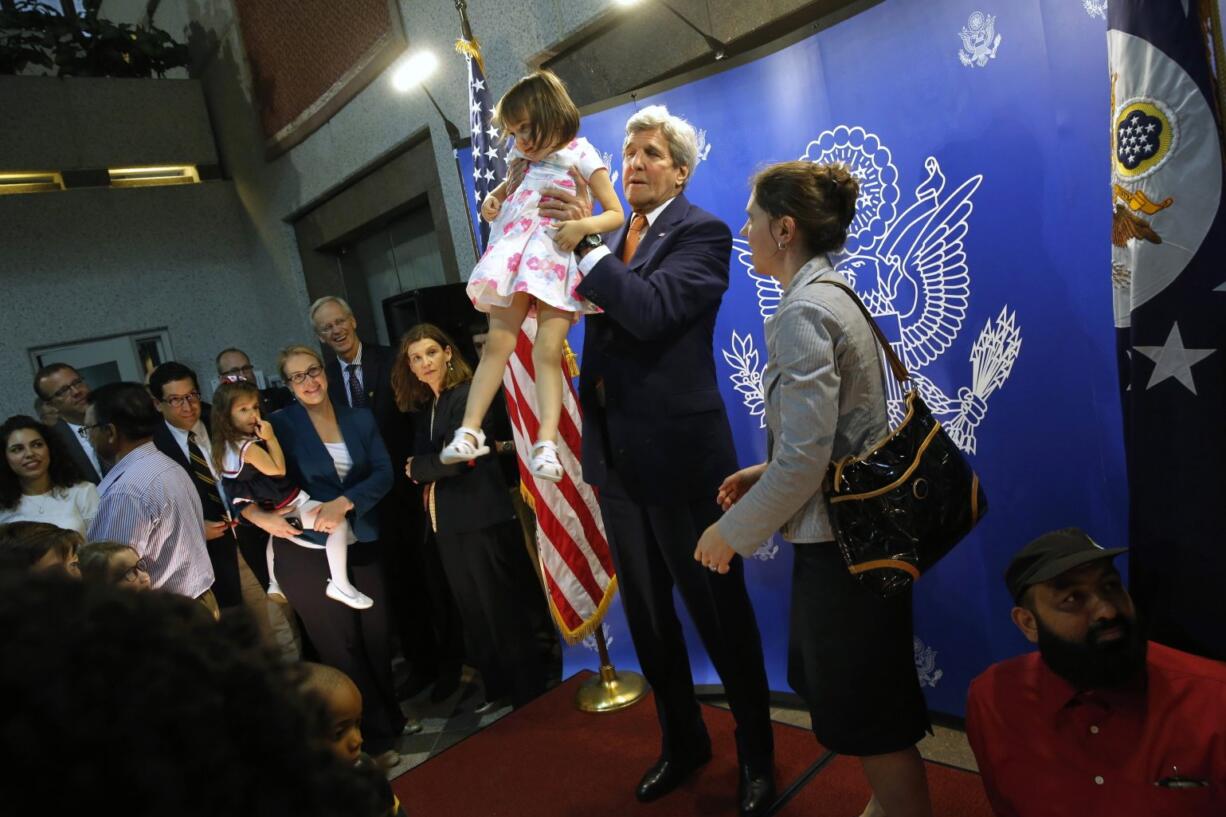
(61, 387)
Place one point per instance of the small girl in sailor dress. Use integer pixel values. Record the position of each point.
(252, 466)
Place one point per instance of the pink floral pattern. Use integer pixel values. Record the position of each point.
(521, 256)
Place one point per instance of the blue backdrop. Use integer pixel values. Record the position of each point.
(979, 132)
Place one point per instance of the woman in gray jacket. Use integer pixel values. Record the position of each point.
(850, 651)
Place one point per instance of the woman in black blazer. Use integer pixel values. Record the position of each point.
(470, 513)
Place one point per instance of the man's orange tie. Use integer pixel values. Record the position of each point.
(637, 225)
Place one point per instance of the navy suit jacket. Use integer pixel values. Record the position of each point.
(76, 452)
(663, 428)
(466, 497)
(165, 442)
(310, 466)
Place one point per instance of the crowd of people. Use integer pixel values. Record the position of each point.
(390, 448)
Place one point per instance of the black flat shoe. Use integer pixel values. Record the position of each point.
(756, 791)
(667, 774)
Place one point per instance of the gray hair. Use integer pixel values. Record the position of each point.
(329, 299)
(680, 135)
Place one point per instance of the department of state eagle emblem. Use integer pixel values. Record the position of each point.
(979, 40)
(910, 270)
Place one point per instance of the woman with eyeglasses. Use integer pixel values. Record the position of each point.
(335, 454)
(114, 563)
(38, 481)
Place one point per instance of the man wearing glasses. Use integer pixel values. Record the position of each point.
(234, 363)
(184, 437)
(62, 388)
(146, 500)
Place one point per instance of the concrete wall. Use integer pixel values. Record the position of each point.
(86, 263)
(83, 264)
(377, 123)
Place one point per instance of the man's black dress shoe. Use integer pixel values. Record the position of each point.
(667, 774)
(756, 791)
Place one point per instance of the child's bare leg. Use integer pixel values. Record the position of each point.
(337, 551)
(551, 328)
(504, 332)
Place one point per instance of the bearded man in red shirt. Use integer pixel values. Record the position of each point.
(1099, 721)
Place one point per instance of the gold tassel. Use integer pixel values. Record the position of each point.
(569, 359)
(472, 50)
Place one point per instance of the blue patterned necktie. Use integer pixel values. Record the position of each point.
(357, 397)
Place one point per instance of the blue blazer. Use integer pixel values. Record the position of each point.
(310, 466)
(668, 436)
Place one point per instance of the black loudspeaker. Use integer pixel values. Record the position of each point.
(446, 306)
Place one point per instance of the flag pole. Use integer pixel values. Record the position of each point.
(610, 690)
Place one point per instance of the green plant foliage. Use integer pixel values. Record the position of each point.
(34, 34)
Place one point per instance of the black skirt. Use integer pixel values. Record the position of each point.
(851, 657)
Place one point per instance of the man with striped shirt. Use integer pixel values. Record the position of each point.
(146, 500)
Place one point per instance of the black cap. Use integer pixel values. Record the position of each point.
(1052, 554)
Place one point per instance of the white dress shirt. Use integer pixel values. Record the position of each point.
(206, 448)
(593, 258)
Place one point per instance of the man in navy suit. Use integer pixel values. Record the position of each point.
(657, 443)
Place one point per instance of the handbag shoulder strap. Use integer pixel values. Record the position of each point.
(896, 366)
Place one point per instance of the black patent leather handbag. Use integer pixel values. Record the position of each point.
(900, 507)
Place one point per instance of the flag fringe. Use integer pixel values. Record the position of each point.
(472, 50)
(589, 625)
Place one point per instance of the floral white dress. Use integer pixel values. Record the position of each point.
(521, 255)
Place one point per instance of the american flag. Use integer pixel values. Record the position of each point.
(578, 570)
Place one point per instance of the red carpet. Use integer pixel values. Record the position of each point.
(550, 760)
(839, 790)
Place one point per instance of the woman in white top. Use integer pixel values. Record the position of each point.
(38, 481)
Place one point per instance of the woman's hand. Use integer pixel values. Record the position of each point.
(490, 208)
(271, 522)
(332, 513)
(713, 552)
(567, 205)
(737, 485)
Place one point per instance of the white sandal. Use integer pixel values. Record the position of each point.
(545, 463)
(462, 449)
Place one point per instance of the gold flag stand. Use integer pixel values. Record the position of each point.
(611, 690)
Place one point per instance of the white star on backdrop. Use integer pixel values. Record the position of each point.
(479, 85)
(1173, 359)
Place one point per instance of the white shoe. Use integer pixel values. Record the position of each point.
(357, 600)
(462, 448)
(545, 463)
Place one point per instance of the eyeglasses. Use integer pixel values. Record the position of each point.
(326, 328)
(63, 390)
(132, 574)
(88, 427)
(247, 370)
(297, 378)
(178, 400)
